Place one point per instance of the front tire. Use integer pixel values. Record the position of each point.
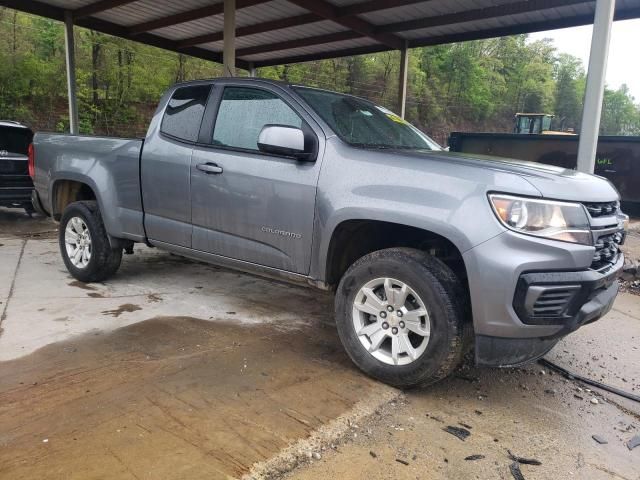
(84, 243)
(400, 315)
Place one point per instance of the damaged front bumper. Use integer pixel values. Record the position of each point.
(565, 300)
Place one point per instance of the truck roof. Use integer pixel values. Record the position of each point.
(236, 79)
(253, 80)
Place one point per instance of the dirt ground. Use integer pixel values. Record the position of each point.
(175, 369)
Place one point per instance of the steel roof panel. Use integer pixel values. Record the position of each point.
(311, 49)
(499, 22)
(300, 32)
(428, 9)
(69, 4)
(142, 11)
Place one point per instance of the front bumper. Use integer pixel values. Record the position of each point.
(591, 296)
(527, 293)
(567, 299)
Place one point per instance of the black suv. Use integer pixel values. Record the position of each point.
(15, 183)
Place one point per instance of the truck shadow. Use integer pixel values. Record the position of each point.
(15, 222)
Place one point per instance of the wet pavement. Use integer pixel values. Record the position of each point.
(170, 397)
(532, 412)
(176, 369)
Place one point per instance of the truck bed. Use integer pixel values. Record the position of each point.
(110, 166)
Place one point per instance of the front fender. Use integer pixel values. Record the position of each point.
(454, 226)
(432, 193)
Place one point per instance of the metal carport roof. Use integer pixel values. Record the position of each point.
(272, 32)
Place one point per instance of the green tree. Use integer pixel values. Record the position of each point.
(620, 115)
(569, 75)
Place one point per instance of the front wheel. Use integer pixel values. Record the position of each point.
(400, 315)
(84, 243)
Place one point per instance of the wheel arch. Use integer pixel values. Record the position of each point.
(353, 238)
(68, 190)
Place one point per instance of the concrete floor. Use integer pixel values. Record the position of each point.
(175, 369)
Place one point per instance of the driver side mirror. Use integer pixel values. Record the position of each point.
(286, 141)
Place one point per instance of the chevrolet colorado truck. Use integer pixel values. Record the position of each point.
(429, 253)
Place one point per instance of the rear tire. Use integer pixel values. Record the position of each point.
(84, 243)
(404, 284)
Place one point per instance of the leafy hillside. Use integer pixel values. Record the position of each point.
(472, 86)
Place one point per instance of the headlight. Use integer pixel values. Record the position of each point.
(562, 221)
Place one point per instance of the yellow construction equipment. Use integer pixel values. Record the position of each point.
(536, 124)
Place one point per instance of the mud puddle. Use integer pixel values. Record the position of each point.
(170, 397)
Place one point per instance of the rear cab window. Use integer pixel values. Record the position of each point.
(183, 115)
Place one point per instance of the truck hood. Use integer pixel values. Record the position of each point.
(552, 182)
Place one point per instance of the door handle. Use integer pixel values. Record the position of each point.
(209, 168)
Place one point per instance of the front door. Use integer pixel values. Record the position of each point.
(248, 205)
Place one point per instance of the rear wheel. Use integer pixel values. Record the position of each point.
(84, 243)
(400, 314)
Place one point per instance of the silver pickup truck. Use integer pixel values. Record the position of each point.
(429, 253)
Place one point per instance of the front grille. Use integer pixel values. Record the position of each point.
(553, 301)
(607, 250)
(602, 209)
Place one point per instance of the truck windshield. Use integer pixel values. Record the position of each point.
(364, 124)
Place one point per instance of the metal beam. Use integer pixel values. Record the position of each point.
(508, 9)
(345, 52)
(56, 13)
(189, 16)
(70, 56)
(298, 20)
(621, 14)
(402, 81)
(98, 7)
(36, 8)
(330, 12)
(278, 24)
(577, 21)
(594, 90)
(229, 48)
(374, 6)
(300, 42)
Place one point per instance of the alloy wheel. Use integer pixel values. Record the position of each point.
(77, 239)
(391, 321)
